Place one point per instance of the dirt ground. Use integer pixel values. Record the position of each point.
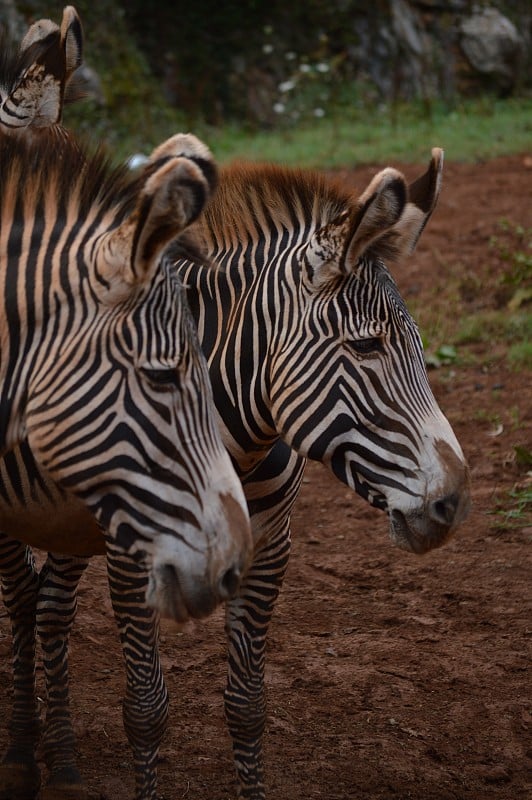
(389, 676)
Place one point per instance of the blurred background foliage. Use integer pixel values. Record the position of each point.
(262, 77)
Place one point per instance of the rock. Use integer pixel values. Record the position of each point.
(493, 46)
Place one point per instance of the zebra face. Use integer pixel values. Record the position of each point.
(349, 385)
(202, 547)
(102, 373)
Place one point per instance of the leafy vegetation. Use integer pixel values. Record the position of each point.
(454, 325)
(183, 68)
(513, 509)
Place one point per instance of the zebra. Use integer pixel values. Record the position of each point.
(313, 354)
(106, 411)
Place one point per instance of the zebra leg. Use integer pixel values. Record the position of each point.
(271, 491)
(145, 706)
(56, 610)
(19, 773)
(248, 618)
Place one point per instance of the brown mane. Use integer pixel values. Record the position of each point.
(31, 167)
(249, 194)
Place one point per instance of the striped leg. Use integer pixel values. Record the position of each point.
(271, 492)
(19, 774)
(56, 610)
(145, 707)
(248, 618)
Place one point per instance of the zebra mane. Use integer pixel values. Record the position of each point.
(54, 160)
(250, 193)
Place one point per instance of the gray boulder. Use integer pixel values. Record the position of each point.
(493, 46)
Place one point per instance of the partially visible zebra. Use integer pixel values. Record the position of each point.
(106, 413)
(37, 77)
(313, 354)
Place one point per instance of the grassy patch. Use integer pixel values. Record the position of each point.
(520, 355)
(514, 508)
(349, 135)
(487, 309)
(486, 325)
(135, 118)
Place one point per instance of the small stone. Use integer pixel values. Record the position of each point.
(495, 774)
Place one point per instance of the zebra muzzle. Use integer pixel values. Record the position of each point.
(181, 597)
(422, 532)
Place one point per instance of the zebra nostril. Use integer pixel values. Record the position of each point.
(229, 583)
(444, 510)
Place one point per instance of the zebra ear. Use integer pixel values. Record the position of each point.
(49, 56)
(335, 250)
(72, 40)
(423, 194)
(70, 36)
(387, 223)
(174, 191)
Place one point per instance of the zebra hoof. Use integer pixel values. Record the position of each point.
(19, 781)
(65, 784)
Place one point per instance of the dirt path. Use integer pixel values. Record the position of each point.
(389, 676)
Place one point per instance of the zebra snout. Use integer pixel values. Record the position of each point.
(229, 582)
(425, 528)
(444, 510)
(180, 595)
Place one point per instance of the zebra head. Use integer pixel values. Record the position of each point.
(36, 78)
(349, 385)
(100, 368)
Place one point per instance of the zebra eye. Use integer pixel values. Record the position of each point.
(163, 378)
(364, 347)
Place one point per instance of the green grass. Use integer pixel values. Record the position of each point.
(514, 508)
(454, 326)
(520, 355)
(346, 136)
(474, 130)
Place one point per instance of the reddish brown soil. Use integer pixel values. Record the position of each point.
(389, 676)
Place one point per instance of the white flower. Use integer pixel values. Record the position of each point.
(278, 108)
(290, 56)
(267, 48)
(319, 112)
(286, 86)
(322, 67)
(304, 67)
